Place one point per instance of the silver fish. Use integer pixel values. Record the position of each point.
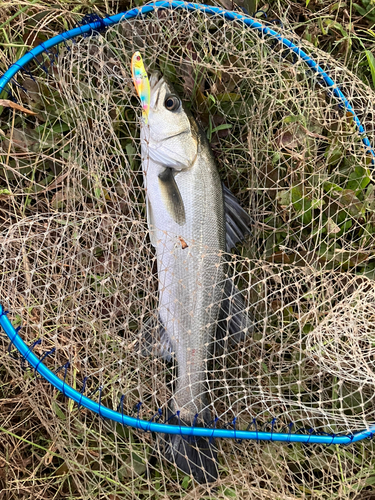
(192, 221)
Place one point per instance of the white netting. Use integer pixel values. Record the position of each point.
(79, 271)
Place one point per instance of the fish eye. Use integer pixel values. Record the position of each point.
(172, 103)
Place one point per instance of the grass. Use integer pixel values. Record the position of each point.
(30, 466)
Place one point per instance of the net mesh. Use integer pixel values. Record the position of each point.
(79, 271)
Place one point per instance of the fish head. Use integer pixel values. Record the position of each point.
(169, 138)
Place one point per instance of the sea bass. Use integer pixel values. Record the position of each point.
(193, 220)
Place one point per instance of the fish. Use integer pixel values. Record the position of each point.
(193, 221)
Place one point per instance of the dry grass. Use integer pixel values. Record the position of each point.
(31, 465)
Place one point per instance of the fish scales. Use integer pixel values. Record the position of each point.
(189, 298)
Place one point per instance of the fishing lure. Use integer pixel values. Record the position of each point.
(141, 84)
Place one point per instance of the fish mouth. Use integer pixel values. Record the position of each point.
(156, 80)
(156, 83)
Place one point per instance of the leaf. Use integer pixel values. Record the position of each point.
(229, 492)
(24, 140)
(333, 155)
(334, 7)
(98, 192)
(302, 205)
(348, 200)
(138, 464)
(10, 104)
(279, 257)
(346, 226)
(333, 24)
(371, 63)
(295, 119)
(283, 198)
(131, 153)
(317, 203)
(58, 411)
(228, 97)
(330, 187)
(297, 198)
(360, 9)
(185, 482)
(46, 128)
(367, 12)
(227, 4)
(62, 470)
(359, 179)
(289, 140)
(224, 126)
(332, 227)
(250, 6)
(308, 327)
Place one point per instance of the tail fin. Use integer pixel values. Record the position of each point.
(193, 455)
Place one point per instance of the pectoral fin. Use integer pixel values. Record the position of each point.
(150, 223)
(171, 196)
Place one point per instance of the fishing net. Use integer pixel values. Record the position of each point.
(79, 271)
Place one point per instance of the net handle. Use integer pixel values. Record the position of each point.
(61, 385)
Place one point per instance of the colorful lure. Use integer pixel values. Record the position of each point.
(141, 83)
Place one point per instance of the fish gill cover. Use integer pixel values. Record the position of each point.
(79, 270)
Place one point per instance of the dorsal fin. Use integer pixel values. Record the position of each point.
(235, 321)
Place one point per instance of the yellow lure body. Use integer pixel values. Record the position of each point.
(141, 83)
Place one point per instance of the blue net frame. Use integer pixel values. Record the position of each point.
(26, 352)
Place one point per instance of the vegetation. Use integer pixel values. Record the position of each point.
(30, 464)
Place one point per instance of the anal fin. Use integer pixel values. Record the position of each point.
(153, 340)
